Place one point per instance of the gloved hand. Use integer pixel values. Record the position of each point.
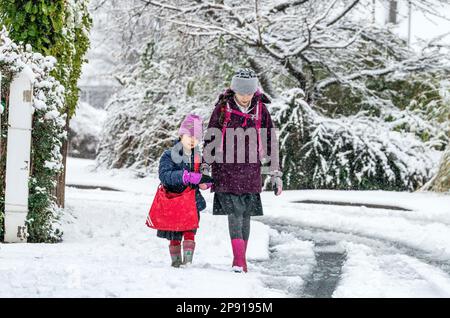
(191, 177)
(205, 169)
(277, 182)
(205, 186)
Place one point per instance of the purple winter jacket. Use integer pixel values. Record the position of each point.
(238, 178)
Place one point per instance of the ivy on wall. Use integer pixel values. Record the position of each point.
(53, 36)
(53, 28)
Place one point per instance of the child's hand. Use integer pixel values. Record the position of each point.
(205, 186)
(191, 177)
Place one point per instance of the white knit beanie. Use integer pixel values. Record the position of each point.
(244, 82)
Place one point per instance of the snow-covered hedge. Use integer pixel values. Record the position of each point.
(48, 135)
(85, 131)
(354, 152)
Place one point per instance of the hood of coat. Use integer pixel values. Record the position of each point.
(228, 94)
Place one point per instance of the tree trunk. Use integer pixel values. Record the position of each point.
(296, 73)
(392, 14)
(441, 181)
(263, 79)
(61, 185)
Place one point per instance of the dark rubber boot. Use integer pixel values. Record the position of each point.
(175, 255)
(188, 251)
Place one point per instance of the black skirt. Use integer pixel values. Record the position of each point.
(175, 236)
(241, 204)
(172, 236)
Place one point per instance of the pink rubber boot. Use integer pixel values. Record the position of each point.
(238, 246)
(245, 256)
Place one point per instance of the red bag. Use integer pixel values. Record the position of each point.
(173, 211)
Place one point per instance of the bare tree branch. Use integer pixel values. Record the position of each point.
(343, 13)
(286, 5)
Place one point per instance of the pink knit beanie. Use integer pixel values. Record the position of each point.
(192, 125)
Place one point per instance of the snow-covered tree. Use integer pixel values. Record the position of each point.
(85, 131)
(158, 91)
(319, 44)
(351, 152)
(440, 182)
(351, 72)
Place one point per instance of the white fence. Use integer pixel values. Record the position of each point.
(20, 113)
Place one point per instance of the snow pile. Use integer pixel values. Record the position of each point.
(425, 229)
(368, 274)
(109, 252)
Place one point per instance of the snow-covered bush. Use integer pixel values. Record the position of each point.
(418, 104)
(359, 78)
(144, 116)
(85, 131)
(352, 152)
(142, 120)
(47, 135)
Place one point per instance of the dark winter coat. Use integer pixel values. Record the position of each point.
(171, 177)
(238, 178)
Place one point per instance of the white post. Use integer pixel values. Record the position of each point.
(18, 157)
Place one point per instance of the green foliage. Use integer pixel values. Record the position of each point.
(58, 28)
(421, 97)
(340, 100)
(2, 204)
(38, 23)
(42, 185)
(80, 43)
(412, 104)
(2, 162)
(47, 135)
(355, 152)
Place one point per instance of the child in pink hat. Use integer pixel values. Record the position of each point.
(176, 172)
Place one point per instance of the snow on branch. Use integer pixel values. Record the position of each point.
(303, 31)
(354, 152)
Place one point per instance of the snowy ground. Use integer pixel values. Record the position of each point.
(296, 249)
(388, 253)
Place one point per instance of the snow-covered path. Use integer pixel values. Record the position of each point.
(374, 252)
(296, 249)
(109, 252)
